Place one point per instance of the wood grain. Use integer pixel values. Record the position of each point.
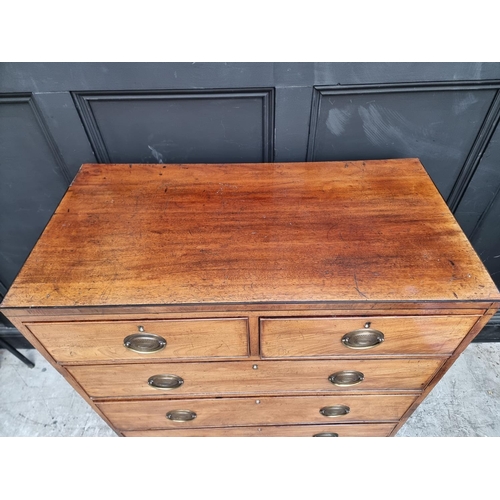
(291, 232)
(95, 340)
(138, 415)
(241, 378)
(349, 430)
(320, 337)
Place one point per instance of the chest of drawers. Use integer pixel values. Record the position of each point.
(296, 299)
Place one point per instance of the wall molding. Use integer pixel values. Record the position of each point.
(484, 213)
(30, 100)
(83, 102)
(479, 145)
(476, 153)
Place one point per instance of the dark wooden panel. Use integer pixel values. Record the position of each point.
(199, 127)
(486, 239)
(480, 194)
(33, 179)
(476, 153)
(437, 125)
(64, 124)
(479, 216)
(479, 211)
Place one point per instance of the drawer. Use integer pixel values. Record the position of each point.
(336, 430)
(307, 337)
(146, 414)
(92, 341)
(253, 378)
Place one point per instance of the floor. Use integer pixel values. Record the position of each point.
(38, 402)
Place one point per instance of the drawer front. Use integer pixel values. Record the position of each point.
(138, 415)
(349, 430)
(253, 378)
(104, 340)
(308, 337)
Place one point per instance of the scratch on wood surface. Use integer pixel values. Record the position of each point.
(357, 288)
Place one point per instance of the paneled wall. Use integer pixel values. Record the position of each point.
(54, 117)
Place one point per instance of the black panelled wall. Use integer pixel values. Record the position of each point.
(54, 117)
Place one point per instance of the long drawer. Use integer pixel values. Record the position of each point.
(254, 378)
(92, 341)
(362, 336)
(199, 413)
(336, 430)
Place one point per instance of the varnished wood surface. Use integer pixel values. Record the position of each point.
(242, 378)
(304, 337)
(138, 415)
(186, 339)
(306, 232)
(348, 430)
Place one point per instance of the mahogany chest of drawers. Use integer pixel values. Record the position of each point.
(296, 299)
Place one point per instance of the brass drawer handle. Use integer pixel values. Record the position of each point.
(144, 343)
(181, 415)
(326, 434)
(335, 411)
(364, 338)
(165, 382)
(346, 378)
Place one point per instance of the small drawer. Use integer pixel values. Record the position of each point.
(254, 378)
(362, 336)
(199, 413)
(336, 430)
(92, 341)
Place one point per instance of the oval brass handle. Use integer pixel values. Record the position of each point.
(346, 378)
(144, 343)
(335, 411)
(165, 382)
(326, 434)
(181, 415)
(364, 338)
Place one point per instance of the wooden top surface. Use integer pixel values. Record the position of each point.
(251, 233)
